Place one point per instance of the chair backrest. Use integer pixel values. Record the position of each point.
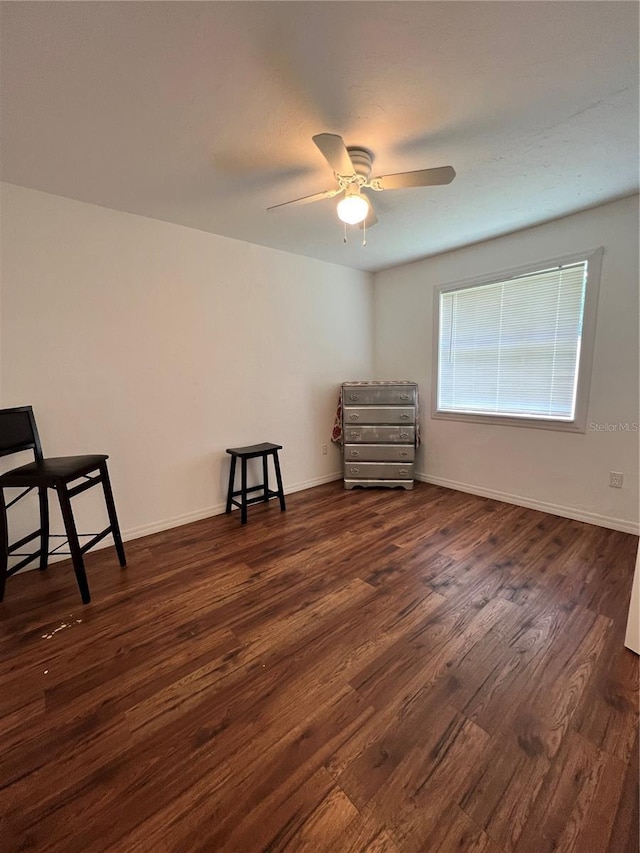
(18, 431)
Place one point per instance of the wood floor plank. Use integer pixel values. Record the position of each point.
(595, 830)
(502, 787)
(565, 800)
(365, 834)
(373, 670)
(429, 780)
(607, 713)
(625, 833)
(454, 830)
(327, 823)
(551, 707)
(273, 780)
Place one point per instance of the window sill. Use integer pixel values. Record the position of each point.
(513, 421)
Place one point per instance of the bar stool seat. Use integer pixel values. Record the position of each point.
(254, 451)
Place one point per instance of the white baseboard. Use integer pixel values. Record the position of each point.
(621, 524)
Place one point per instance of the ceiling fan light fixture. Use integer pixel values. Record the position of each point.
(353, 208)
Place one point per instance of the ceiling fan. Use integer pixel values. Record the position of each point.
(352, 169)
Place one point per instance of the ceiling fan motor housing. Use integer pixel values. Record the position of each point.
(362, 159)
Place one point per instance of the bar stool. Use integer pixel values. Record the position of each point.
(254, 451)
(18, 432)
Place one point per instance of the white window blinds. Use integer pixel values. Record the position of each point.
(513, 347)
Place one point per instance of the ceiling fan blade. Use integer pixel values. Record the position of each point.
(334, 151)
(419, 178)
(307, 198)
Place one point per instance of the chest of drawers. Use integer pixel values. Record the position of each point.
(379, 424)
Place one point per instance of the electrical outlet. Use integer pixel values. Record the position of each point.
(616, 479)
(324, 449)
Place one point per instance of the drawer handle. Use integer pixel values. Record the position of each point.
(354, 470)
(403, 471)
(354, 397)
(354, 434)
(355, 453)
(404, 454)
(405, 396)
(404, 417)
(354, 417)
(404, 435)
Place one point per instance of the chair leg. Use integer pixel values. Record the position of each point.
(276, 464)
(4, 544)
(43, 498)
(113, 516)
(232, 480)
(74, 544)
(265, 476)
(243, 495)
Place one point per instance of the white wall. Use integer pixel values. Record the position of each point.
(162, 346)
(560, 472)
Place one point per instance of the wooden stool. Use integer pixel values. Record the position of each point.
(253, 452)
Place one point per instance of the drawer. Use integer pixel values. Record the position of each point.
(379, 452)
(378, 470)
(379, 415)
(370, 395)
(379, 434)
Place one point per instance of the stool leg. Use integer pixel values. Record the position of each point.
(43, 499)
(4, 544)
(232, 479)
(243, 496)
(265, 476)
(113, 516)
(74, 544)
(276, 464)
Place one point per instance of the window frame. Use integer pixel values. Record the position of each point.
(593, 257)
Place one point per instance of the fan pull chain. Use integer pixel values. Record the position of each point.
(364, 233)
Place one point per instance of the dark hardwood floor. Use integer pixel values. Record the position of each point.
(371, 670)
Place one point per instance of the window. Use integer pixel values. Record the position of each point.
(516, 348)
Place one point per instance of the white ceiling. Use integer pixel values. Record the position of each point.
(202, 113)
